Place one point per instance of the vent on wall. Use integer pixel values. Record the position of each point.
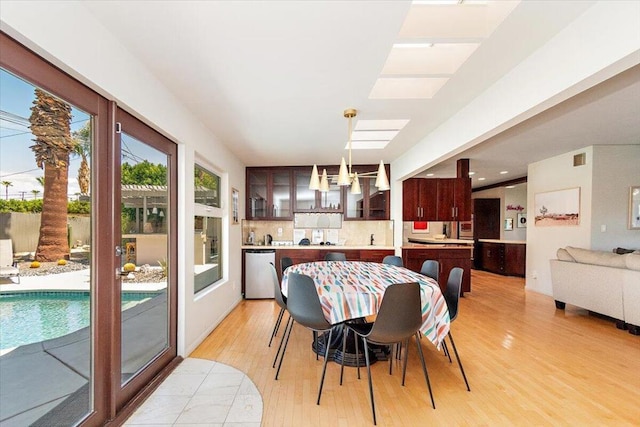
(579, 159)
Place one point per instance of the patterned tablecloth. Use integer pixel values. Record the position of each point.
(353, 289)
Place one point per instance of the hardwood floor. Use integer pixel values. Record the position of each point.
(527, 364)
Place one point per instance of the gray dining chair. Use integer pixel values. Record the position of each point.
(281, 300)
(452, 297)
(335, 256)
(304, 308)
(285, 262)
(399, 318)
(393, 260)
(431, 268)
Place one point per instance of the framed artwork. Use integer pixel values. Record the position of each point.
(235, 194)
(634, 208)
(420, 227)
(508, 224)
(522, 220)
(557, 208)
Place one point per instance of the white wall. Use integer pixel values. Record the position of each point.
(604, 183)
(615, 169)
(516, 196)
(67, 35)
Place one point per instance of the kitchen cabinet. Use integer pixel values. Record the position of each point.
(454, 199)
(448, 257)
(307, 200)
(269, 194)
(502, 257)
(371, 204)
(432, 199)
(419, 199)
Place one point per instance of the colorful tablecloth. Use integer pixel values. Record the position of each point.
(354, 289)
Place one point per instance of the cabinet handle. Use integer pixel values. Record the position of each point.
(456, 212)
(421, 212)
(453, 212)
(418, 211)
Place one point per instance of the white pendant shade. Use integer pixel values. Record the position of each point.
(314, 183)
(382, 181)
(343, 175)
(324, 181)
(355, 186)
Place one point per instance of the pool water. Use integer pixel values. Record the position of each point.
(29, 317)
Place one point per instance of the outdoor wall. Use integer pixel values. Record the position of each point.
(24, 229)
(79, 44)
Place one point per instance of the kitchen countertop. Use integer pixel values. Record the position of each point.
(430, 240)
(512, 242)
(435, 246)
(330, 247)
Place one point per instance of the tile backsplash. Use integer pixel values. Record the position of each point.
(354, 233)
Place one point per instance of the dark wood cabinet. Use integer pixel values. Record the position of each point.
(306, 200)
(502, 258)
(459, 256)
(371, 204)
(431, 199)
(419, 199)
(269, 194)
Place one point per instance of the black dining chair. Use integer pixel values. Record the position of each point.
(431, 268)
(452, 297)
(335, 256)
(393, 260)
(281, 300)
(399, 318)
(285, 262)
(304, 308)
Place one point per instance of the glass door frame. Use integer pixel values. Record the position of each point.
(134, 127)
(110, 403)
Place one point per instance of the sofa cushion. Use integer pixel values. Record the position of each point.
(563, 255)
(633, 261)
(587, 256)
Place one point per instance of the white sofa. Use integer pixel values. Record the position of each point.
(602, 282)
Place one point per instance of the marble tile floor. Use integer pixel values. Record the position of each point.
(201, 393)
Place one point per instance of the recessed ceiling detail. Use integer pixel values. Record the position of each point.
(375, 134)
(427, 59)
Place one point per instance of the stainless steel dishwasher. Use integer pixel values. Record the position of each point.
(257, 277)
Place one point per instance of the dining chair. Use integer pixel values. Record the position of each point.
(452, 297)
(304, 308)
(399, 318)
(335, 256)
(281, 300)
(393, 260)
(285, 262)
(431, 268)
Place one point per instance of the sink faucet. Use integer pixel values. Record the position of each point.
(372, 240)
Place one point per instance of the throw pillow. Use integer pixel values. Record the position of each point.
(633, 261)
(563, 255)
(587, 256)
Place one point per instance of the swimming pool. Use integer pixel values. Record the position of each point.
(28, 317)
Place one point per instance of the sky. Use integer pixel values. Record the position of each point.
(17, 160)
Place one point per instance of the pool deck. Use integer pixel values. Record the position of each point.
(41, 381)
(71, 281)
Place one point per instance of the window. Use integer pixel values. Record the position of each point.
(207, 229)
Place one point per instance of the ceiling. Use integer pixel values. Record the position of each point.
(271, 79)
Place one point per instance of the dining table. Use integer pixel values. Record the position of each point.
(353, 290)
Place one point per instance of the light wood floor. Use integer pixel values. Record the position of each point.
(527, 364)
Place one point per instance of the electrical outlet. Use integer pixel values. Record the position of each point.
(603, 228)
(279, 232)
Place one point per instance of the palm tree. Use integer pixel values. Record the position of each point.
(40, 180)
(82, 148)
(35, 193)
(50, 124)
(6, 185)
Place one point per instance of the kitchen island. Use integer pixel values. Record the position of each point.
(447, 253)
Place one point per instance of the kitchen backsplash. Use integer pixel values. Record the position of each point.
(353, 233)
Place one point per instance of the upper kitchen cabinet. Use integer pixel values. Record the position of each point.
(454, 199)
(269, 193)
(371, 204)
(307, 200)
(425, 199)
(419, 199)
